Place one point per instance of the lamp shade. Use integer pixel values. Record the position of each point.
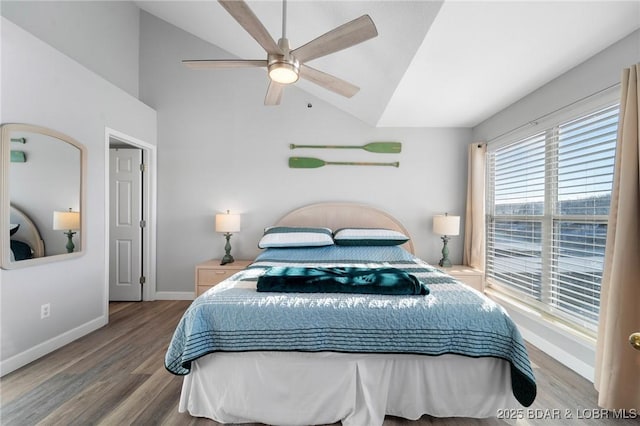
(227, 222)
(446, 225)
(68, 220)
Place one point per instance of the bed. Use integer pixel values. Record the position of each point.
(319, 358)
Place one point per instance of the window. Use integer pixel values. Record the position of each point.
(548, 202)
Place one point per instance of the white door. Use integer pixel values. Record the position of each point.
(125, 215)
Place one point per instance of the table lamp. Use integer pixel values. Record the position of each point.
(227, 223)
(446, 226)
(67, 221)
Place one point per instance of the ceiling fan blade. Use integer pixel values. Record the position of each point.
(346, 35)
(203, 64)
(328, 81)
(250, 22)
(274, 93)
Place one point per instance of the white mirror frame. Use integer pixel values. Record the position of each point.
(5, 202)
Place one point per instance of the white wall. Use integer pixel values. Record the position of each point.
(40, 85)
(599, 72)
(101, 35)
(221, 148)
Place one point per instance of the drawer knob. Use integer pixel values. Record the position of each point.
(634, 340)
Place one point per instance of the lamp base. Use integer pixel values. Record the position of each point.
(227, 249)
(70, 246)
(445, 262)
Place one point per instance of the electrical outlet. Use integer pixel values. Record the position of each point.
(45, 311)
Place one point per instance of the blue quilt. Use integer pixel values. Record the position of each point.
(451, 319)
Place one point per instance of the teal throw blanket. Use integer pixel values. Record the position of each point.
(389, 281)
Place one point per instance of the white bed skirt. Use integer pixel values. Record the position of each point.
(295, 388)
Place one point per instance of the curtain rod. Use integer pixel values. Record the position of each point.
(535, 120)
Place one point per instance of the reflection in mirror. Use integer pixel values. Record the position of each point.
(42, 184)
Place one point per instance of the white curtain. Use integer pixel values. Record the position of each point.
(617, 375)
(474, 236)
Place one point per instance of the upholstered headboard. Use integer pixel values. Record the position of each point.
(337, 215)
(27, 232)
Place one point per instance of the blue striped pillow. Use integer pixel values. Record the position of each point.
(369, 237)
(291, 236)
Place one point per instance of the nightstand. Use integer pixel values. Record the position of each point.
(211, 272)
(468, 275)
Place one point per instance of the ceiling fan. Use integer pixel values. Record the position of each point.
(284, 65)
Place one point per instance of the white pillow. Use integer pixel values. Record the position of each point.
(290, 236)
(369, 237)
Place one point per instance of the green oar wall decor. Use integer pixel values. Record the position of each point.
(18, 157)
(313, 163)
(380, 147)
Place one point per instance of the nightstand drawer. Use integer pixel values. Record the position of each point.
(472, 277)
(213, 276)
(201, 289)
(211, 272)
(474, 281)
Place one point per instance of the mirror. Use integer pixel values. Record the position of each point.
(42, 196)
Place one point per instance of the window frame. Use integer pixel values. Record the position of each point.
(549, 219)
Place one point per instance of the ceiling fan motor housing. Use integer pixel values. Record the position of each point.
(285, 68)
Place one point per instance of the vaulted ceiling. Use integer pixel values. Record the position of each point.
(434, 63)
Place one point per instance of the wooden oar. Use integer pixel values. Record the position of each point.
(18, 157)
(380, 147)
(312, 163)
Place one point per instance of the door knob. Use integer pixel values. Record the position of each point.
(634, 340)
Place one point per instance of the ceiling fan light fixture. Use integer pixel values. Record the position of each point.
(283, 72)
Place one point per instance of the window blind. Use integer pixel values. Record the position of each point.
(548, 200)
(517, 203)
(582, 177)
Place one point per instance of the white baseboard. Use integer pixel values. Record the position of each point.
(552, 339)
(175, 295)
(582, 368)
(42, 349)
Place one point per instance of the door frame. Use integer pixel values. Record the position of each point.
(149, 204)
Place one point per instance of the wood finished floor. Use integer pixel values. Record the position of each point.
(116, 376)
